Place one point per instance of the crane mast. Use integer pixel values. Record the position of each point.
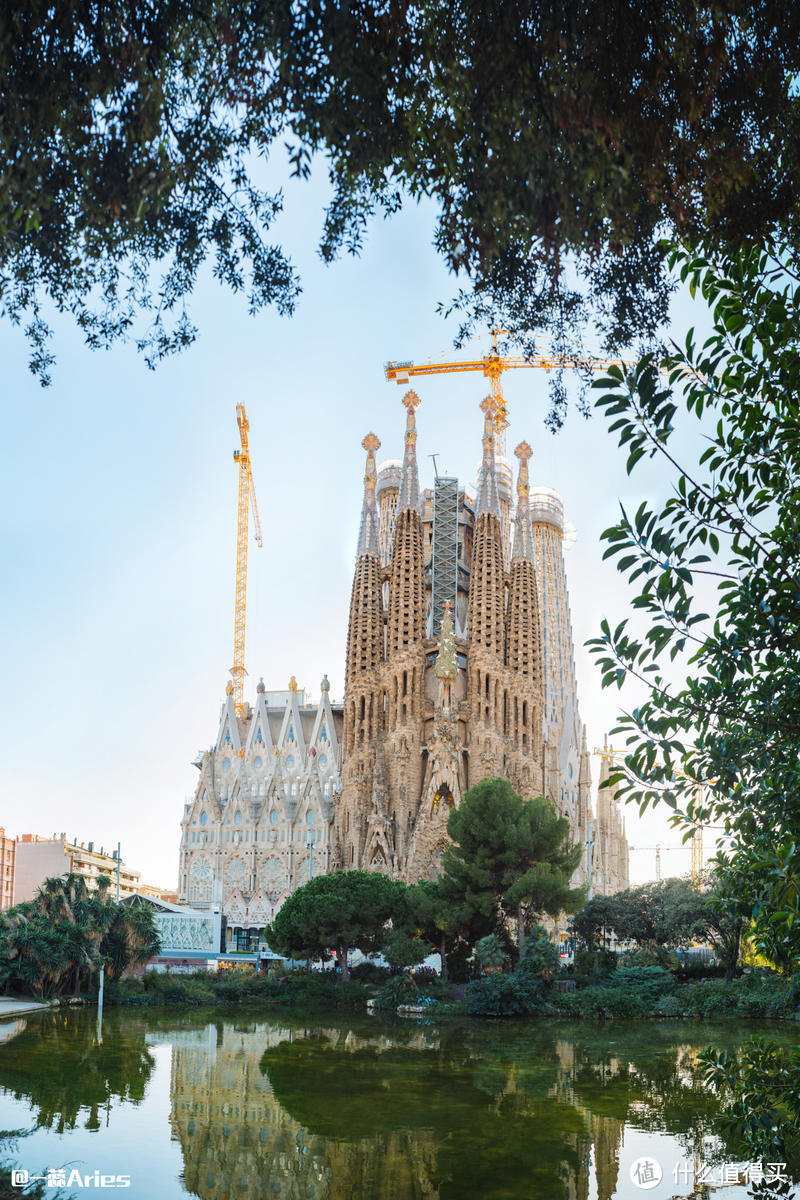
(246, 500)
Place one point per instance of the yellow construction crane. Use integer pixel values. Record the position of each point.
(492, 366)
(247, 497)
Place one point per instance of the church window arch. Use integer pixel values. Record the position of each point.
(237, 817)
(204, 818)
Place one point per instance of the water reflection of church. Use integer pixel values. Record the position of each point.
(239, 1142)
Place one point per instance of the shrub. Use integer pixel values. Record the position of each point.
(602, 1002)
(490, 952)
(458, 966)
(648, 983)
(540, 958)
(594, 964)
(651, 956)
(710, 998)
(500, 995)
(400, 989)
(369, 972)
(669, 1006)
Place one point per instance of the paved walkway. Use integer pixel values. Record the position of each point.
(12, 1006)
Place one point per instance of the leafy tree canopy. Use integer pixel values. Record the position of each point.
(342, 911)
(59, 940)
(510, 856)
(432, 916)
(131, 137)
(714, 574)
(670, 912)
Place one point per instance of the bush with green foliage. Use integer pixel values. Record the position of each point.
(646, 983)
(540, 958)
(490, 953)
(602, 1002)
(400, 989)
(755, 995)
(594, 964)
(370, 972)
(671, 1005)
(498, 995)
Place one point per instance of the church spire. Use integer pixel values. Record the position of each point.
(365, 632)
(523, 539)
(368, 540)
(406, 624)
(409, 482)
(486, 615)
(488, 499)
(523, 649)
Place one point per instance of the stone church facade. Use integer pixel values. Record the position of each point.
(261, 819)
(459, 665)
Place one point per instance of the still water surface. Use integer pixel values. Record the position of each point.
(233, 1106)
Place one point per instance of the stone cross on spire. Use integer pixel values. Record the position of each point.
(409, 481)
(368, 541)
(523, 540)
(488, 496)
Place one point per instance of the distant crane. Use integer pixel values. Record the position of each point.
(247, 498)
(492, 366)
(659, 850)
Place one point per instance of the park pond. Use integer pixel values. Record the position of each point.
(231, 1106)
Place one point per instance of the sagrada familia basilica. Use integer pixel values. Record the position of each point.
(459, 666)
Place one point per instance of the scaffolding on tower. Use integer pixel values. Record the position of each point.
(246, 500)
(444, 557)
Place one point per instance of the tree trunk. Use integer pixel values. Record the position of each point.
(443, 957)
(521, 929)
(77, 983)
(341, 957)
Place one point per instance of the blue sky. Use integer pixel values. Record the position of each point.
(119, 512)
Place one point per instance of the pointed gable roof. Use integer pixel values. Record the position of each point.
(260, 734)
(292, 724)
(324, 720)
(228, 725)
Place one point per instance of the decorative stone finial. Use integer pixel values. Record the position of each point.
(368, 541)
(325, 686)
(488, 499)
(523, 539)
(261, 689)
(229, 688)
(409, 480)
(293, 685)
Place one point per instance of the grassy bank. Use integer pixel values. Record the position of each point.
(628, 993)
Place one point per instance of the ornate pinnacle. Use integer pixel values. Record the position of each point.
(368, 536)
(523, 453)
(371, 443)
(409, 482)
(523, 542)
(488, 496)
